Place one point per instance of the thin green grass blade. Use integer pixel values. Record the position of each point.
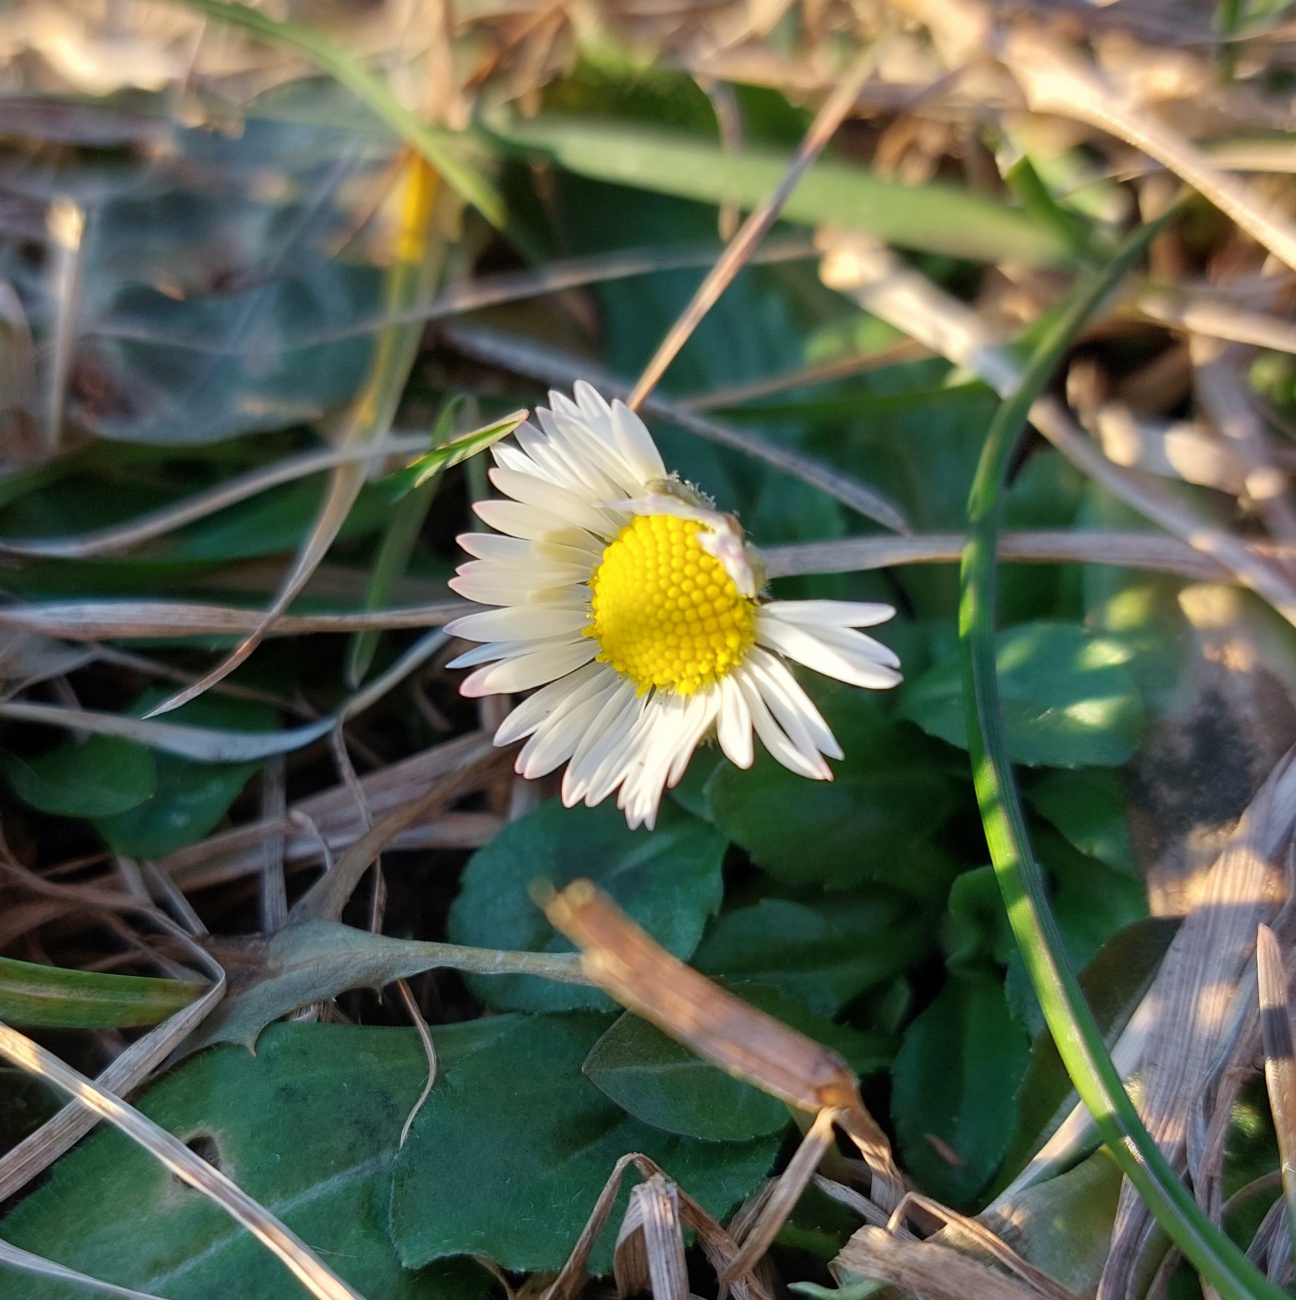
(32, 994)
(934, 218)
(1020, 879)
(469, 183)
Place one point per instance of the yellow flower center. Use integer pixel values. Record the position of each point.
(665, 613)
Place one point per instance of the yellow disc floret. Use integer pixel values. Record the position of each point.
(664, 611)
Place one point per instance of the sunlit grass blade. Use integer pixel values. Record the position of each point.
(469, 183)
(32, 994)
(933, 218)
(1021, 881)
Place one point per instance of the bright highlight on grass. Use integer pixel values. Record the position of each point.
(635, 606)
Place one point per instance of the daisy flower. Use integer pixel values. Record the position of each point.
(636, 608)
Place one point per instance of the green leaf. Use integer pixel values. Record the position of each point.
(1089, 807)
(308, 1127)
(1069, 699)
(840, 832)
(31, 994)
(935, 218)
(191, 798)
(661, 1082)
(88, 778)
(447, 454)
(667, 879)
(821, 955)
(514, 1145)
(954, 1084)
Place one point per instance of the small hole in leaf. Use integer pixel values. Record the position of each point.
(205, 1147)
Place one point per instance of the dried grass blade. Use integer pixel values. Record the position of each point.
(29, 1263)
(429, 1050)
(786, 1193)
(158, 523)
(1045, 546)
(638, 972)
(649, 1253)
(326, 898)
(1194, 990)
(925, 1268)
(548, 366)
(1280, 1059)
(875, 278)
(1056, 82)
(208, 745)
(296, 1256)
(757, 225)
(99, 620)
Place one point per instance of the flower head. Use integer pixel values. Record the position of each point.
(635, 607)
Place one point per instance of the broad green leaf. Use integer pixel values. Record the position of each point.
(1089, 807)
(840, 832)
(25, 1104)
(308, 1126)
(1069, 699)
(935, 217)
(821, 955)
(513, 1146)
(975, 932)
(32, 994)
(191, 798)
(661, 1082)
(94, 777)
(667, 879)
(954, 1083)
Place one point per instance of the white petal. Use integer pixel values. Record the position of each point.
(520, 520)
(492, 650)
(519, 550)
(570, 432)
(734, 729)
(533, 711)
(528, 670)
(603, 747)
(703, 718)
(576, 472)
(853, 660)
(635, 444)
(793, 708)
(519, 623)
(806, 764)
(489, 582)
(560, 501)
(556, 738)
(833, 613)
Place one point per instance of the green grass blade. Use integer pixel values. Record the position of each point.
(32, 994)
(1021, 882)
(933, 218)
(469, 183)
